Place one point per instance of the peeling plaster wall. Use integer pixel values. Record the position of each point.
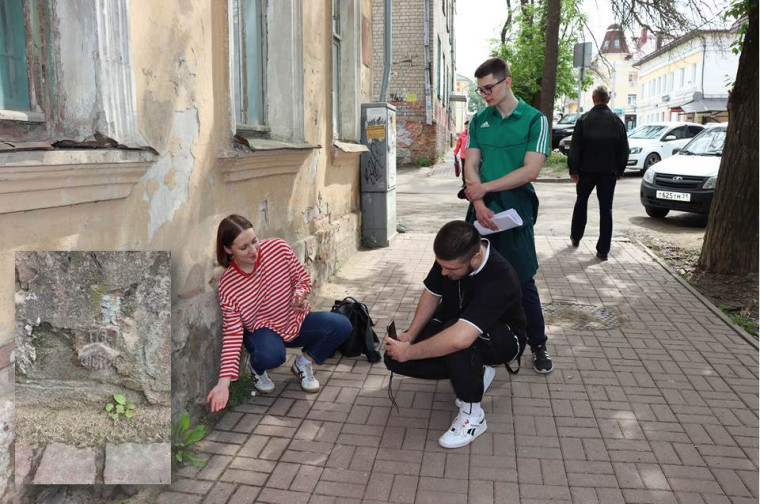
(179, 58)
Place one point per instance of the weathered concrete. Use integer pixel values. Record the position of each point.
(66, 465)
(138, 464)
(93, 322)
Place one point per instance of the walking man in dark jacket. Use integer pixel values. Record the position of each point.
(598, 155)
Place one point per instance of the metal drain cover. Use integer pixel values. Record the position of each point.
(580, 316)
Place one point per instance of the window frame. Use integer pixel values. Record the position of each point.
(239, 70)
(335, 54)
(36, 18)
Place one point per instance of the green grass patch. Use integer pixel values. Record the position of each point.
(240, 391)
(554, 166)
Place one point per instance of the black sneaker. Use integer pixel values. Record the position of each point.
(542, 363)
(575, 242)
(601, 257)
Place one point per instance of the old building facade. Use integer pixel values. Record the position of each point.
(688, 79)
(139, 125)
(422, 75)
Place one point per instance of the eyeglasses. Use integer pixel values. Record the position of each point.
(487, 90)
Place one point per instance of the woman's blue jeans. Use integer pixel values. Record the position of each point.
(321, 333)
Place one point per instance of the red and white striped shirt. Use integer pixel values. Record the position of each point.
(261, 299)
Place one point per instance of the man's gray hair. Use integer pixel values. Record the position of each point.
(601, 95)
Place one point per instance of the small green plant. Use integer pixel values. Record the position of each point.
(183, 438)
(120, 406)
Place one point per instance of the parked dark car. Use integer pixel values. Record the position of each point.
(564, 145)
(563, 127)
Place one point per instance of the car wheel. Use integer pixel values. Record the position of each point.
(657, 213)
(649, 161)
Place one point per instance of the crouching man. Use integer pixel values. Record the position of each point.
(469, 318)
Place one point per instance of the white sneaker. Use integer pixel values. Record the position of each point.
(262, 382)
(463, 431)
(488, 375)
(306, 375)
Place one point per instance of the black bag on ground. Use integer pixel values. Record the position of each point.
(362, 339)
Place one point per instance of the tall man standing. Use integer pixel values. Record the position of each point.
(598, 155)
(511, 139)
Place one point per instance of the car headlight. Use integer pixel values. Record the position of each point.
(635, 150)
(710, 183)
(649, 176)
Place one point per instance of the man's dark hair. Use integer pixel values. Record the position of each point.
(456, 240)
(495, 66)
(601, 95)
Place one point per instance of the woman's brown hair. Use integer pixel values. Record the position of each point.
(229, 229)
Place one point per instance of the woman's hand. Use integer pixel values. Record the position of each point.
(219, 395)
(298, 302)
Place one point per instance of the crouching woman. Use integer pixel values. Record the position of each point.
(263, 297)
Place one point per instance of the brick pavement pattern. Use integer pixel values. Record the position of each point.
(663, 409)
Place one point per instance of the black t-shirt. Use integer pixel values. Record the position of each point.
(490, 294)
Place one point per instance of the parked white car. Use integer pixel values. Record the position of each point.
(651, 143)
(685, 181)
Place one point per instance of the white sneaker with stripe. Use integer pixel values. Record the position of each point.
(463, 431)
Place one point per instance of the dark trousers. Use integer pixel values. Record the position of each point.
(465, 367)
(605, 190)
(534, 317)
(321, 333)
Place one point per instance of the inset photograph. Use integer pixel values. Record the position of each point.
(93, 368)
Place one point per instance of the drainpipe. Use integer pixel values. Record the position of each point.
(428, 98)
(704, 53)
(387, 59)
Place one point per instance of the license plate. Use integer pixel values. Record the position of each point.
(676, 196)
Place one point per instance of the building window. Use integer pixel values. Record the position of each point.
(14, 79)
(671, 80)
(632, 100)
(617, 43)
(249, 49)
(336, 40)
(22, 78)
(266, 68)
(439, 73)
(682, 76)
(632, 78)
(693, 73)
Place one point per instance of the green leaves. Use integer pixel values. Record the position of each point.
(120, 406)
(183, 437)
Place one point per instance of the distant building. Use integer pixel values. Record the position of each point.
(688, 78)
(613, 68)
(460, 108)
(422, 75)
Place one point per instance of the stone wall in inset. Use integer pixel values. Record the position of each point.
(89, 324)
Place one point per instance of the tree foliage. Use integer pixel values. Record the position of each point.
(475, 101)
(525, 43)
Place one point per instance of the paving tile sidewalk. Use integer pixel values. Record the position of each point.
(662, 409)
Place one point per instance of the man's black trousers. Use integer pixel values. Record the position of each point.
(465, 367)
(605, 190)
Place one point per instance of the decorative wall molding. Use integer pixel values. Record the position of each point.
(35, 180)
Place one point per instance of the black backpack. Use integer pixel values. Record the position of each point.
(362, 339)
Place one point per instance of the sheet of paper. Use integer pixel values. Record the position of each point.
(507, 219)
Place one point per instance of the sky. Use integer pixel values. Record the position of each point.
(478, 21)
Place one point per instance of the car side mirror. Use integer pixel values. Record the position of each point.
(668, 138)
(676, 150)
